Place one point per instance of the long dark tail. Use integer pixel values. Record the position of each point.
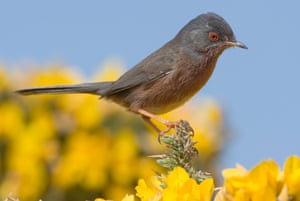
(97, 88)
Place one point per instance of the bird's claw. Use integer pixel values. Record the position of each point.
(170, 125)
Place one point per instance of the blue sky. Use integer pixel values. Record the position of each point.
(258, 87)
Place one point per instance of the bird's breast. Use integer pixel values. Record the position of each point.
(179, 86)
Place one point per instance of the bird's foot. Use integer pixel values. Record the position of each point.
(170, 125)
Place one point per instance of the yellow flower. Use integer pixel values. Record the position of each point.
(88, 113)
(85, 162)
(110, 71)
(128, 198)
(11, 119)
(55, 74)
(183, 188)
(147, 193)
(99, 199)
(124, 151)
(260, 183)
(179, 186)
(291, 173)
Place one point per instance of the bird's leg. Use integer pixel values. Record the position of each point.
(148, 120)
(160, 132)
(147, 116)
(169, 124)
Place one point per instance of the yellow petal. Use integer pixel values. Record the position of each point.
(183, 188)
(206, 189)
(235, 178)
(177, 178)
(238, 171)
(99, 199)
(144, 191)
(264, 175)
(128, 198)
(292, 174)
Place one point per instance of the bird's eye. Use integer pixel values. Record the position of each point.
(213, 36)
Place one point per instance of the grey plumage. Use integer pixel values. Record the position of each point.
(97, 88)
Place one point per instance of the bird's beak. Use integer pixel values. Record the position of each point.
(235, 44)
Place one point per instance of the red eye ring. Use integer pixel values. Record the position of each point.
(213, 36)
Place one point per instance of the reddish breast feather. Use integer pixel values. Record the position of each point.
(179, 86)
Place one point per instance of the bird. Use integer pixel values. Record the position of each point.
(168, 77)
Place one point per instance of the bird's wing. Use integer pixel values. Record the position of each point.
(154, 67)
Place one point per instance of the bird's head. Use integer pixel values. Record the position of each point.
(209, 31)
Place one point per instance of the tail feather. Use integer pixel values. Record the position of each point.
(96, 88)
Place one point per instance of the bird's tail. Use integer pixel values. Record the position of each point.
(96, 88)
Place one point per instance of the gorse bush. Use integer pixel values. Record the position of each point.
(77, 147)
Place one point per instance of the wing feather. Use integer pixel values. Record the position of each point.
(152, 68)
